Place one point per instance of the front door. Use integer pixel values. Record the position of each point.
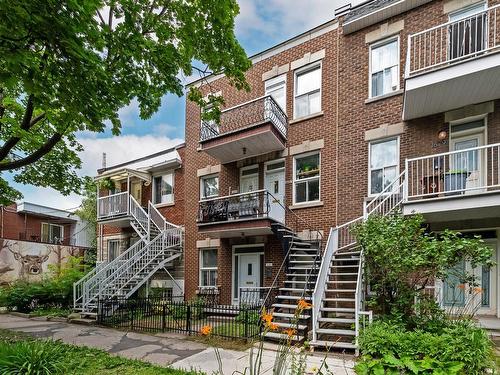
(275, 185)
(470, 162)
(248, 276)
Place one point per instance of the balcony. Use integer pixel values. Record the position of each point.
(249, 129)
(453, 65)
(248, 213)
(455, 185)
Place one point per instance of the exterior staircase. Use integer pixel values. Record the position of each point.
(338, 297)
(296, 278)
(160, 242)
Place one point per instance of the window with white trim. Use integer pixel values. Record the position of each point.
(52, 233)
(384, 164)
(384, 67)
(113, 249)
(208, 267)
(163, 189)
(276, 87)
(307, 91)
(306, 178)
(209, 186)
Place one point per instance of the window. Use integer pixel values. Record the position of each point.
(384, 164)
(210, 127)
(208, 267)
(163, 189)
(209, 187)
(469, 34)
(276, 87)
(306, 178)
(307, 91)
(384, 67)
(52, 233)
(113, 249)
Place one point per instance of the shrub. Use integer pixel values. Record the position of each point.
(387, 345)
(31, 358)
(55, 290)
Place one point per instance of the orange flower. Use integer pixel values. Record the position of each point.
(461, 286)
(478, 289)
(273, 326)
(267, 317)
(290, 332)
(206, 330)
(303, 305)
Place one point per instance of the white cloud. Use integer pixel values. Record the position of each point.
(118, 149)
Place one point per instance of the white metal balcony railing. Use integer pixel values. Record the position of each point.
(468, 171)
(113, 205)
(454, 41)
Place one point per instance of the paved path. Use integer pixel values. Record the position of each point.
(163, 349)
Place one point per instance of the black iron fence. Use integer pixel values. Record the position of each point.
(252, 113)
(175, 315)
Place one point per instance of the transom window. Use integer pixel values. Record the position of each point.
(276, 87)
(163, 189)
(306, 178)
(208, 267)
(384, 67)
(52, 233)
(209, 187)
(307, 91)
(384, 164)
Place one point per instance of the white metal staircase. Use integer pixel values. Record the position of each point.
(160, 243)
(338, 296)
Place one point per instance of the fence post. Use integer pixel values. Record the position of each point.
(245, 311)
(132, 317)
(163, 317)
(188, 319)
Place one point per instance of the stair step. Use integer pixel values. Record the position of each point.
(339, 299)
(306, 261)
(347, 253)
(294, 297)
(341, 332)
(344, 266)
(343, 274)
(341, 290)
(342, 281)
(335, 260)
(299, 327)
(302, 255)
(337, 320)
(290, 316)
(295, 289)
(299, 282)
(337, 309)
(282, 336)
(333, 344)
(284, 306)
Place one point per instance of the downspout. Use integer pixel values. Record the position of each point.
(337, 131)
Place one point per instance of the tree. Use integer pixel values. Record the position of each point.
(69, 66)
(402, 259)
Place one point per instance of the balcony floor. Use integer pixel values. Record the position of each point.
(237, 228)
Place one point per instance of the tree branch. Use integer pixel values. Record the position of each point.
(101, 18)
(35, 156)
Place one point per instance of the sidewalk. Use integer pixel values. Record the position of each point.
(162, 349)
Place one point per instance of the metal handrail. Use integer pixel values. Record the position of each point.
(491, 145)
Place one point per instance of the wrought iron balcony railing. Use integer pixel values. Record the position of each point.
(255, 204)
(454, 41)
(253, 113)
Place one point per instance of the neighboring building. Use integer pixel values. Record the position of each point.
(33, 236)
(394, 104)
(140, 211)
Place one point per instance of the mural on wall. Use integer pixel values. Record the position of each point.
(23, 260)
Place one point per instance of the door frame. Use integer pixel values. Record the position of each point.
(283, 170)
(235, 298)
(253, 166)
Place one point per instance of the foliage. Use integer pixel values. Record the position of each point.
(51, 311)
(402, 259)
(56, 290)
(70, 66)
(31, 358)
(387, 345)
(88, 212)
(88, 361)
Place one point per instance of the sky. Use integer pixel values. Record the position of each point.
(260, 25)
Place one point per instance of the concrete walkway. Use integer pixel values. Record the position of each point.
(163, 349)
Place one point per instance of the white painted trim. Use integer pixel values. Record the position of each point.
(201, 268)
(233, 263)
(202, 178)
(162, 174)
(397, 138)
(310, 203)
(282, 80)
(302, 70)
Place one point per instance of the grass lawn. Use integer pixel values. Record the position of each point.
(76, 360)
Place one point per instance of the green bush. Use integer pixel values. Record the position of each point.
(55, 290)
(31, 358)
(387, 345)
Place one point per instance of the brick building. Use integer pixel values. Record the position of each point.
(390, 105)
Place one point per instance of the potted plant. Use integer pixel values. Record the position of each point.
(455, 181)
